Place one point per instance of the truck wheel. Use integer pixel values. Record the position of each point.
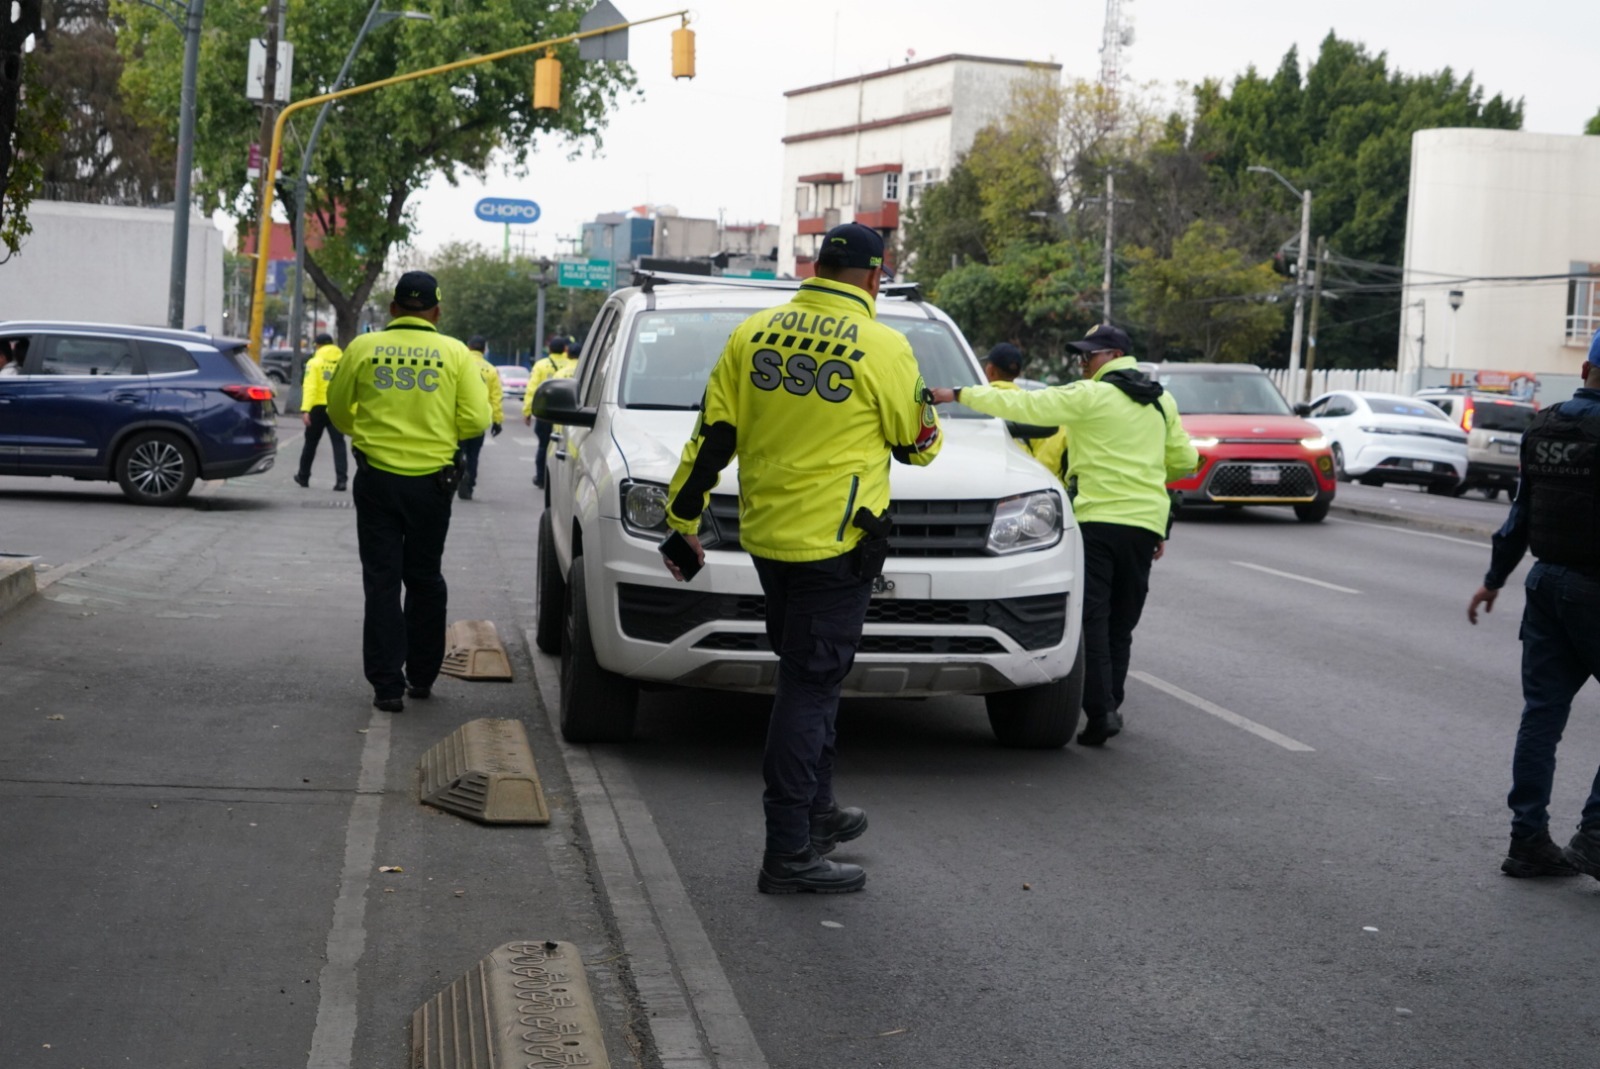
(550, 591)
(1039, 718)
(596, 705)
(156, 468)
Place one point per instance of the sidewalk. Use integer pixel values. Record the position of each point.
(196, 796)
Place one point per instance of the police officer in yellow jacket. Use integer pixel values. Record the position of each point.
(1002, 367)
(406, 395)
(814, 396)
(471, 447)
(314, 414)
(1127, 444)
(558, 363)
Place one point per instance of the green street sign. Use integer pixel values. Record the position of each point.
(739, 272)
(585, 274)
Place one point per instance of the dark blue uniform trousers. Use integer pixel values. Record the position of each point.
(1116, 573)
(815, 611)
(471, 447)
(401, 524)
(1560, 651)
(313, 437)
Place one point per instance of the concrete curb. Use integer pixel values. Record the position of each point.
(17, 584)
(1411, 519)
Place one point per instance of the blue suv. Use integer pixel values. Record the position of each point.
(150, 409)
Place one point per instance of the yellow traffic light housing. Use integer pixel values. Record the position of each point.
(683, 51)
(547, 81)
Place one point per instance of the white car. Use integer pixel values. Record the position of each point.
(1387, 438)
(980, 594)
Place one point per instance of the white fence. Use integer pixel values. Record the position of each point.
(1370, 380)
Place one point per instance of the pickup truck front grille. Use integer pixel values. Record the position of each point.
(664, 614)
(918, 528)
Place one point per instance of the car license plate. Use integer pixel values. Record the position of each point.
(1507, 447)
(1264, 474)
(1420, 465)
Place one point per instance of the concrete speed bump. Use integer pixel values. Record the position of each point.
(484, 771)
(472, 650)
(526, 1005)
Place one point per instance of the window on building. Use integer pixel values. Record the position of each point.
(917, 182)
(802, 200)
(1583, 303)
(891, 186)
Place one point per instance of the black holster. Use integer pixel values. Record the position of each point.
(873, 550)
(449, 478)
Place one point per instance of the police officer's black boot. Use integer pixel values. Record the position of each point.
(1583, 852)
(1097, 729)
(787, 874)
(1536, 855)
(836, 826)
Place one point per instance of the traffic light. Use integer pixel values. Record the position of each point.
(547, 81)
(683, 51)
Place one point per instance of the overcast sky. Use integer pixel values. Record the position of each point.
(713, 145)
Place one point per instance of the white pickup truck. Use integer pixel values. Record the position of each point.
(980, 594)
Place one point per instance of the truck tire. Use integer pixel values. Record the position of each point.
(1039, 718)
(550, 595)
(596, 705)
(156, 468)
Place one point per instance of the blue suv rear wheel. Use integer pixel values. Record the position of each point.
(156, 468)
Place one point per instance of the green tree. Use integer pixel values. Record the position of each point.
(1039, 297)
(1206, 298)
(378, 148)
(27, 134)
(1593, 127)
(945, 228)
(487, 295)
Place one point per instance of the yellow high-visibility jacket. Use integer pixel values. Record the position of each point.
(406, 395)
(496, 388)
(1123, 453)
(814, 397)
(549, 366)
(1051, 451)
(319, 372)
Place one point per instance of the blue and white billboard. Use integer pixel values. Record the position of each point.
(506, 210)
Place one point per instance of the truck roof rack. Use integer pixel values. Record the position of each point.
(649, 280)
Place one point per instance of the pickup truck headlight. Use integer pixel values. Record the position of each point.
(644, 508)
(1032, 521)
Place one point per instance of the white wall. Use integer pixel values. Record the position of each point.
(1496, 203)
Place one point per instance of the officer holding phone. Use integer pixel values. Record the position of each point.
(406, 395)
(814, 396)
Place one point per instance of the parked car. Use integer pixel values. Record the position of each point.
(980, 595)
(278, 365)
(1386, 438)
(151, 409)
(1253, 449)
(513, 379)
(1494, 424)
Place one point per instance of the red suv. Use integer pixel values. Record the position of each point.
(1253, 449)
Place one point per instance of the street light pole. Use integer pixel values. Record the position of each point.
(189, 26)
(1300, 277)
(374, 19)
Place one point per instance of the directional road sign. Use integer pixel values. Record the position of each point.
(585, 274)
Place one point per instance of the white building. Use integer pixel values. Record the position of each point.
(110, 265)
(862, 148)
(1491, 211)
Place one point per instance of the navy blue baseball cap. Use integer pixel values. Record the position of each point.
(851, 245)
(1104, 336)
(1594, 350)
(477, 343)
(417, 291)
(1006, 357)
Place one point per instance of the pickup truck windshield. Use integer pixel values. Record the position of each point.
(671, 351)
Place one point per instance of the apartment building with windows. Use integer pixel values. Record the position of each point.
(864, 149)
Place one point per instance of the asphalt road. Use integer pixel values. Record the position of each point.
(1289, 858)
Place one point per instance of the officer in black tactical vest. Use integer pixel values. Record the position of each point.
(1556, 513)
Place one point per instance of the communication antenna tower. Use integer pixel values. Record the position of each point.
(1118, 35)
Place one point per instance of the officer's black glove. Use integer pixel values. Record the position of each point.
(495, 429)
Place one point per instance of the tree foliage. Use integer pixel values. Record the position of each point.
(1593, 126)
(380, 147)
(484, 294)
(27, 134)
(1205, 299)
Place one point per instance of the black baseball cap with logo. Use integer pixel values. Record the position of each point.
(851, 245)
(417, 291)
(1006, 357)
(1104, 336)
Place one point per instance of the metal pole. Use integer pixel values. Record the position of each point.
(538, 319)
(177, 287)
(1316, 307)
(1111, 223)
(302, 192)
(1300, 294)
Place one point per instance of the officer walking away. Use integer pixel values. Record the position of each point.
(1002, 367)
(406, 395)
(471, 447)
(814, 397)
(1556, 513)
(314, 414)
(558, 363)
(1127, 444)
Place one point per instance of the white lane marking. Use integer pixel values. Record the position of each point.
(678, 977)
(1416, 534)
(1296, 578)
(333, 1042)
(1226, 715)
